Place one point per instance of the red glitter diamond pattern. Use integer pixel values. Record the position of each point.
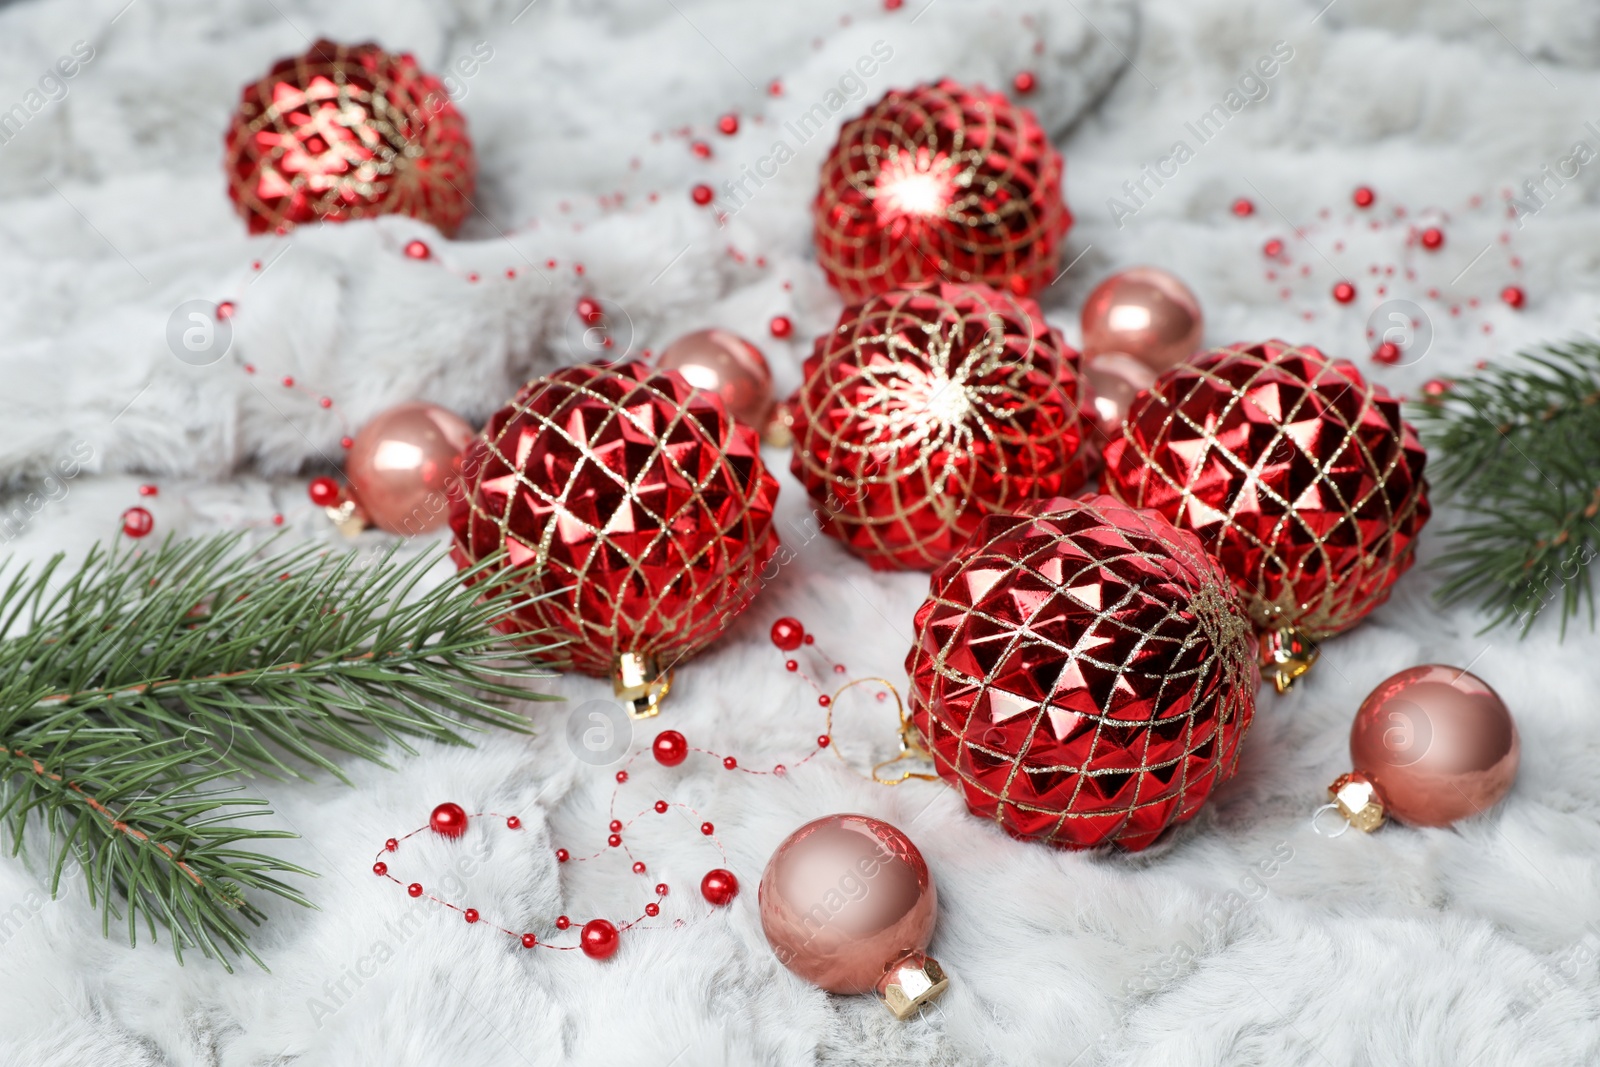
(925, 410)
(1083, 673)
(940, 183)
(640, 506)
(1297, 474)
(348, 132)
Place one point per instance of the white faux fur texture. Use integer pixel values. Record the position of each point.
(1245, 938)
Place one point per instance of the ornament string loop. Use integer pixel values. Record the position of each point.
(1344, 825)
(911, 746)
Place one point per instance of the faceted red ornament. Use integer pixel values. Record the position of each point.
(449, 819)
(924, 410)
(1083, 673)
(348, 132)
(941, 182)
(637, 507)
(1297, 474)
(598, 939)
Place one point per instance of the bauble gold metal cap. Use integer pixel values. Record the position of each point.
(910, 982)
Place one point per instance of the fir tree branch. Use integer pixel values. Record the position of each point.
(131, 684)
(1519, 448)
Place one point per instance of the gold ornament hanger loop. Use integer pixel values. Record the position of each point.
(911, 747)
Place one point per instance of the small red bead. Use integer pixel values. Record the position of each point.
(707, 829)
(472, 277)
(701, 149)
(670, 748)
(622, 776)
(838, 668)
(729, 763)
(781, 326)
(652, 909)
(701, 194)
(277, 518)
(513, 823)
(1364, 196)
(562, 922)
(380, 868)
(728, 124)
(528, 941)
(225, 310)
(326, 402)
(149, 490)
(590, 311)
(788, 633)
(347, 442)
(137, 522)
(448, 820)
(1433, 238)
(1272, 249)
(719, 886)
(391, 844)
(471, 915)
(415, 889)
(599, 939)
(614, 840)
(775, 87)
(418, 250)
(1024, 82)
(823, 740)
(323, 491)
(1435, 387)
(1243, 207)
(1344, 292)
(562, 855)
(1513, 295)
(288, 381)
(824, 700)
(616, 826)
(810, 640)
(1387, 353)
(661, 889)
(780, 770)
(661, 807)
(893, 5)
(638, 867)
(791, 665)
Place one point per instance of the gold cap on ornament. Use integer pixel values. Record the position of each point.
(1286, 654)
(910, 982)
(637, 679)
(1356, 797)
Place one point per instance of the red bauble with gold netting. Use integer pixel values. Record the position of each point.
(941, 182)
(348, 132)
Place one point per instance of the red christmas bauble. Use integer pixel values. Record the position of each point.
(940, 182)
(1083, 673)
(348, 132)
(1296, 473)
(637, 505)
(925, 410)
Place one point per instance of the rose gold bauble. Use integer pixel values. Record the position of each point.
(1146, 313)
(1436, 744)
(847, 901)
(404, 465)
(1115, 378)
(724, 363)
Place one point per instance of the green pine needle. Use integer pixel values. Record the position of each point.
(1519, 448)
(130, 686)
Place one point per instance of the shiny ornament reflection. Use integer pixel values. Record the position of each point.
(1115, 378)
(847, 900)
(724, 363)
(404, 465)
(1146, 313)
(1437, 744)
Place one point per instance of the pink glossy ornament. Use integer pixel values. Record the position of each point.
(1146, 313)
(724, 363)
(1115, 378)
(1432, 744)
(846, 902)
(405, 465)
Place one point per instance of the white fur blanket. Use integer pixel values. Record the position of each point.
(1244, 938)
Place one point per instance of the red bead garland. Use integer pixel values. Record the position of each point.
(448, 819)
